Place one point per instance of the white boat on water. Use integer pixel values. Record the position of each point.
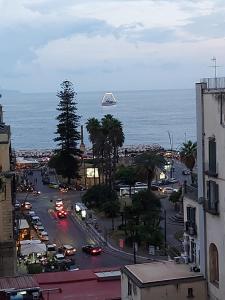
(108, 99)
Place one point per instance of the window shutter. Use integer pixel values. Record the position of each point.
(188, 214)
(193, 210)
(212, 156)
(208, 190)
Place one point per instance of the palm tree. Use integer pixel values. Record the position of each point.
(114, 137)
(128, 175)
(147, 164)
(188, 154)
(106, 137)
(94, 129)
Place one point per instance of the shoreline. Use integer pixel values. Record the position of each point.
(48, 152)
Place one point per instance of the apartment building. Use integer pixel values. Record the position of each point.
(210, 103)
(161, 280)
(7, 242)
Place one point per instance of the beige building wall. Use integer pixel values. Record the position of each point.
(7, 242)
(176, 291)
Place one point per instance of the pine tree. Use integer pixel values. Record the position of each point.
(65, 160)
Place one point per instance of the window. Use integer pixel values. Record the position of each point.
(190, 225)
(212, 157)
(214, 264)
(191, 214)
(190, 293)
(212, 196)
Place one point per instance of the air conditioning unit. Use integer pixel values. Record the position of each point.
(177, 259)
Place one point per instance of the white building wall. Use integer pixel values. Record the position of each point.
(187, 202)
(215, 224)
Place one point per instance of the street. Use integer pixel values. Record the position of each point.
(68, 230)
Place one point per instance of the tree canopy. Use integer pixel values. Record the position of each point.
(65, 160)
(106, 137)
(147, 164)
(188, 154)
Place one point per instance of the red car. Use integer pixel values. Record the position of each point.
(92, 249)
(61, 214)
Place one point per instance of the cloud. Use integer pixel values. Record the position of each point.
(45, 40)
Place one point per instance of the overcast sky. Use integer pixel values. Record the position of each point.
(109, 44)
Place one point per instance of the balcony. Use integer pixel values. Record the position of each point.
(211, 171)
(212, 208)
(190, 228)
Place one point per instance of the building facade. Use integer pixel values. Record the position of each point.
(7, 241)
(210, 103)
(161, 280)
(191, 242)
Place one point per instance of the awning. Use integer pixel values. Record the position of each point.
(32, 248)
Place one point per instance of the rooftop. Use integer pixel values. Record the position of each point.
(83, 284)
(160, 273)
(18, 282)
(216, 83)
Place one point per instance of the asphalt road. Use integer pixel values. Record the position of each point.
(68, 230)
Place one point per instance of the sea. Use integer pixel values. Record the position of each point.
(164, 117)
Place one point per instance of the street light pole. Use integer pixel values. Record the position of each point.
(134, 251)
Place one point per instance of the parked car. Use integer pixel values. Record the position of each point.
(68, 250)
(35, 225)
(53, 185)
(34, 220)
(40, 229)
(167, 190)
(59, 257)
(44, 236)
(26, 205)
(92, 249)
(51, 249)
(186, 172)
(61, 214)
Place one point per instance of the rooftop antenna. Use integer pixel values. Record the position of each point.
(215, 66)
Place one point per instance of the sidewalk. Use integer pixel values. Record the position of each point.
(104, 229)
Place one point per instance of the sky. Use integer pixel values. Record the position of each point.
(104, 45)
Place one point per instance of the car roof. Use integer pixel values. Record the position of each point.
(59, 255)
(44, 233)
(68, 246)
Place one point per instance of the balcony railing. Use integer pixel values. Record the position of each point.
(191, 228)
(211, 172)
(211, 208)
(214, 83)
